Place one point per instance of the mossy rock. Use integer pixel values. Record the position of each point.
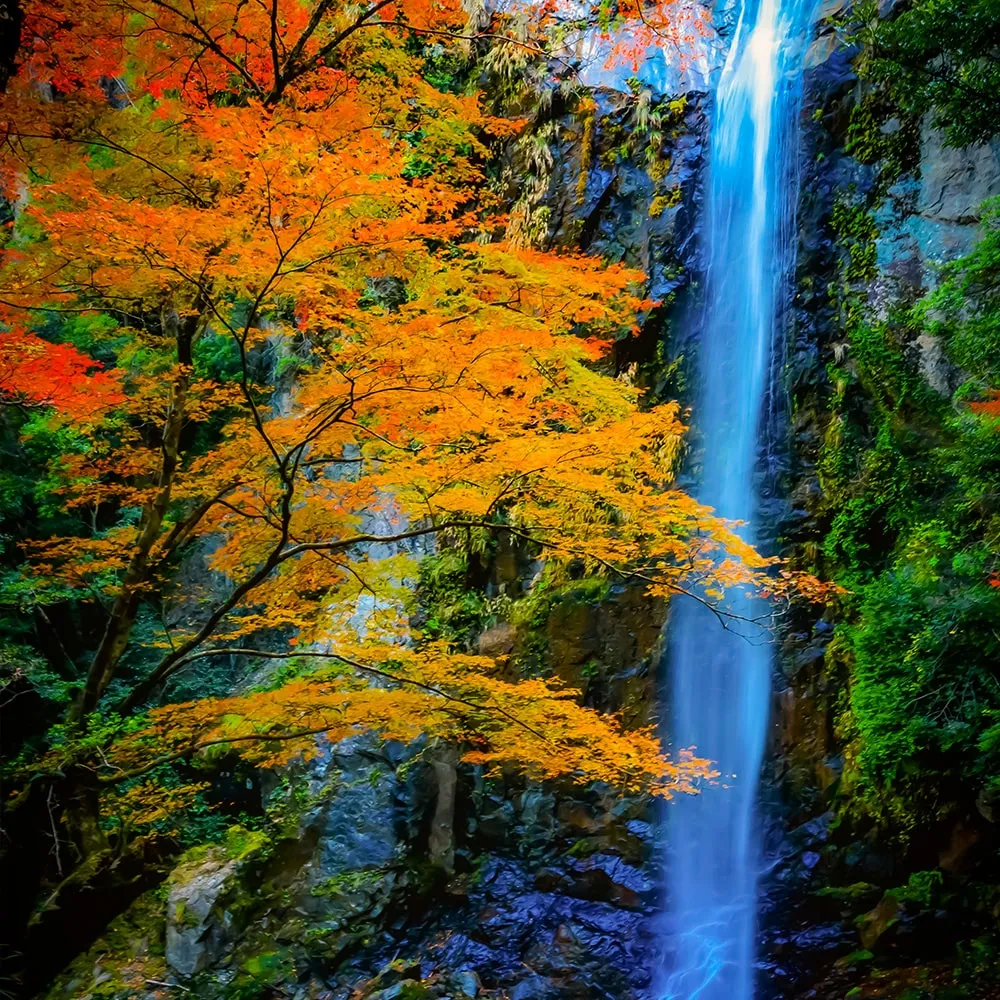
(119, 964)
(857, 894)
(405, 989)
(877, 921)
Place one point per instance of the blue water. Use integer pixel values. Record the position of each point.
(719, 697)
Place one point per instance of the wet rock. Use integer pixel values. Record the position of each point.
(533, 987)
(828, 9)
(466, 982)
(639, 828)
(646, 218)
(608, 878)
(461, 952)
(826, 937)
(355, 814)
(821, 50)
(405, 989)
(599, 878)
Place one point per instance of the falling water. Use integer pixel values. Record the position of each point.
(720, 680)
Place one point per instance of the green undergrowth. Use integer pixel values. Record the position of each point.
(936, 57)
(451, 606)
(911, 481)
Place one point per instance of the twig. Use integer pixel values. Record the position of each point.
(55, 833)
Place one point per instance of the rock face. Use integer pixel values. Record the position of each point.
(915, 209)
(929, 216)
(633, 202)
(924, 218)
(354, 821)
(339, 868)
(954, 182)
(559, 898)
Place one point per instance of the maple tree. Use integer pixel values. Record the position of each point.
(227, 190)
(35, 372)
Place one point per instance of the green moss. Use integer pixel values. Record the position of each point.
(550, 593)
(857, 892)
(241, 843)
(855, 231)
(452, 607)
(412, 990)
(658, 169)
(922, 888)
(855, 957)
(882, 133)
(269, 966)
(344, 883)
(585, 847)
(234, 843)
(117, 966)
(183, 917)
(662, 202)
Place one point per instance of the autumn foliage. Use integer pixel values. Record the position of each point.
(989, 407)
(322, 350)
(35, 372)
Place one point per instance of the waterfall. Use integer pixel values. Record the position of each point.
(720, 679)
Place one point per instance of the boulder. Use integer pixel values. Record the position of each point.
(200, 927)
(873, 924)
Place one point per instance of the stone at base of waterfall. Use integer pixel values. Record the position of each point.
(534, 987)
(199, 926)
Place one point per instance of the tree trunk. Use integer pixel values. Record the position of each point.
(126, 605)
(82, 812)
